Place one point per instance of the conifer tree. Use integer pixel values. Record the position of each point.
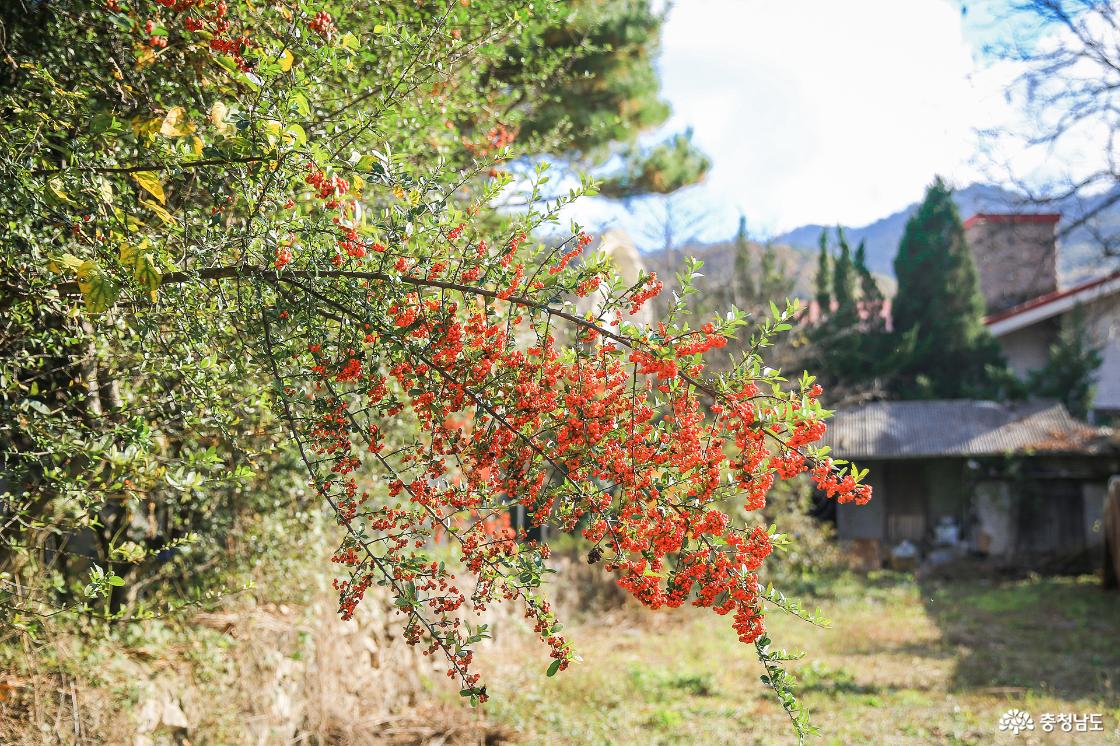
(774, 281)
(939, 303)
(871, 296)
(742, 284)
(824, 276)
(855, 356)
(844, 282)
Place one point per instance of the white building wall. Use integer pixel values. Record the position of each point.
(1027, 349)
(1103, 320)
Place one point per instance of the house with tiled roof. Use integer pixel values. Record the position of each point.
(1017, 258)
(1019, 483)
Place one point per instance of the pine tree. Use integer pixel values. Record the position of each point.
(607, 94)
(824, 277)
(940, 306)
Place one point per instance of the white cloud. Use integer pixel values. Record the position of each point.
(820, 111)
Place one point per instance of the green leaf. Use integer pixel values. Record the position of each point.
(145, 272)
(55, 186)
(297, 132)
(299, 101)
(38, 406)
(554, 667)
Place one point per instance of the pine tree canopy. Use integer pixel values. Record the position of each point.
(661, 169)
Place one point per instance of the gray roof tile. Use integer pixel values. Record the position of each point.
(958, 427)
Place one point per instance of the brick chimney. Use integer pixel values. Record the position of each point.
(1016, 255)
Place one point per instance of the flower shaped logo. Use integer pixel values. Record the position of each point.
(1016, 721)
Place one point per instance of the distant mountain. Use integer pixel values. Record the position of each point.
(719, 264)
(1079, 252)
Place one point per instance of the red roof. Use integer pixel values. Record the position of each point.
(1043, 300)
(1012, 217)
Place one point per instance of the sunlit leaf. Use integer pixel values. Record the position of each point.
(175, 123)
(218, 114)
(149, 181)
(55, 185)
(98, 290)
(297, 134)
(161, 213)
(105, 190)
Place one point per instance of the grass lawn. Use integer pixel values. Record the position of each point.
(904, 662)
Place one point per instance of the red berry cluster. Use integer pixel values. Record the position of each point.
(497, 138)
(506, 422)
(322, 24)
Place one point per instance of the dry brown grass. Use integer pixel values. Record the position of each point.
(252, 674)
(905, 663)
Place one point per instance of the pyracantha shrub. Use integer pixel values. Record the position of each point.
(332, 198)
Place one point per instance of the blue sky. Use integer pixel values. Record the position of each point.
(825, 112)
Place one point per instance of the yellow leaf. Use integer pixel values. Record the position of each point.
(66, 261)
(145, 56)
(145, 273)
(218, 113)
(99, 291)
(105, 190)
(286, 60)
(143, 266)
(57, 190)
(149, 181)
(144, 127)
(175, 123)
(196, 146)
(162, 214)
(380, 28)
(128, 253)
